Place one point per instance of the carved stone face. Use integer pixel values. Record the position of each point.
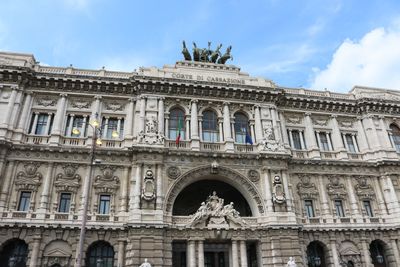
(31, 168)
(334, 180)
(108, 173)
(69, 170)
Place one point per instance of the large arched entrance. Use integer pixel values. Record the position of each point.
(191, 197)
(14, 253)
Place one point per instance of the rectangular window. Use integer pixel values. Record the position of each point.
(24, 201)
(65, 201)
(41, 124)
(113, 128)
(351, 147)
(324, 141)
(308, 204)
(368, 208)
(104, 207)
(339, 208)
(296, 140)
(76, 126)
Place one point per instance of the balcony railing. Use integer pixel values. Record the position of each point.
(111, 143)
(355, 156)
(244, 148)
(211, 146)
(37, 139)
(71, 141)
(181, 145)
(328, 155)
(300, 154)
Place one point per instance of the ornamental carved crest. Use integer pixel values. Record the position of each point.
(107, 182)
(305, 188)
(320, 121)
(335, 188)
(30, 179)
(114, 106)
(148, 190)
(46, 101)
(363, 189)
(278, 192)
(151, 135)
(69, 180)
(270, 142)
(173, 172)
(253, 175)
(214, 214)
(80, 103)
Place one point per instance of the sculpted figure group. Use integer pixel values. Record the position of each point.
(207, 54)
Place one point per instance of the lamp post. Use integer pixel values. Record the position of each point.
(12, 261)
(94, 123)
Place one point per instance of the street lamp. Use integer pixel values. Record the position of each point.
(378, 256)
(94, 123)
(12, 261)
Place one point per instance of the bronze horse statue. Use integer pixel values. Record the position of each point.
(205, 53)
(185, 52)
(225, 56)
(214, 55)
(196, 52)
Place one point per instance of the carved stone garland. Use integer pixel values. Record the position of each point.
(29, 180)
(204, 171)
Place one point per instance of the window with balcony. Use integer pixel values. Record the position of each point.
(368, 208)
(210, 127)
(324, 141)
(395, 137)
(41, 124)
(76, 126)
(242, 128)
(112, 128)
(176, 124)
(24, 201)
(339, 208)
(65, 202)
(296, 139)
(350, 142)
(309, 208)
(104, 207)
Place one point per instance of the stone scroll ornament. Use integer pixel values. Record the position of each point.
(207, 54)
(148, 190)
(214, 214)
(278, 194)
(151, 135)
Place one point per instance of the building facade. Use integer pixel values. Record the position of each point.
(194, 164)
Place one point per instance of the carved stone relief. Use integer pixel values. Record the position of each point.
(108, 182)
(151, 136)
(336, 189)
(80, 103)
(46, 101)
(278, 193)
(148, 189)
(69, 180)
(253, 175)
(320, 120)
(173, 172)
(293, 118)
(114, 105)
(306, 189)
(363, 189)
(349, 252)
(270, 142)
(30, 179)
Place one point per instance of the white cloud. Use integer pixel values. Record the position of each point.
(372, 61)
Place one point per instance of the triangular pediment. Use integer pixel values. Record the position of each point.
(57, 252)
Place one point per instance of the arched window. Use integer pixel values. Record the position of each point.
(176, 124)
(14, 253)
(395, 136)
(100, 254)
(377, 252)
(316, 254)
(210, 126)
(241, 128)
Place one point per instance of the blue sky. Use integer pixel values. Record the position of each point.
(331, 44)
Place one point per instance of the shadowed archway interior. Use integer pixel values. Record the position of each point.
(189, 200)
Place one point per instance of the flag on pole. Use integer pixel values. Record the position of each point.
(178, 137)
(248, 137)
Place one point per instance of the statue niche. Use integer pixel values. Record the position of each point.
(214, 214)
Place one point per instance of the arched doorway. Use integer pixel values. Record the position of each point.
(191, 197)
(316, 255)
(14, 253)
(377, 251)
(100, 254)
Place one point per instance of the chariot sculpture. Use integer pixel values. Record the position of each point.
(207, 54)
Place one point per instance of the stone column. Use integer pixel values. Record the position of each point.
(10, 107)
(268, 192)
(257, 124)
(323, 196)
(136, 197)
(371, 132)
(194, 124)
(363, 141)
(121, 253)
(336, 136)
(6, 181)
(124, 189)
(191, 253)
(34, 260)
(25, 112)
(129, 119)
(243, 253)
(142, 115)
(365, 253)
(310, 137)
(235, 256)
(60, 114)
(390, 194)
(220, 129)
(379, 196)
(161, 115)
(395, 250)
(352, 197)
(44, 198)
(187, 129)
(385, 141)
(285, 182)
(284, 130)
(227, 123)
(275, 125)
(200, 251)
(159, 199)
(335, 255)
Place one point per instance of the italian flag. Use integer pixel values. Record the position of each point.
(178, 138)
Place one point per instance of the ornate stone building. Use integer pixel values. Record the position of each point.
(298, 173)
